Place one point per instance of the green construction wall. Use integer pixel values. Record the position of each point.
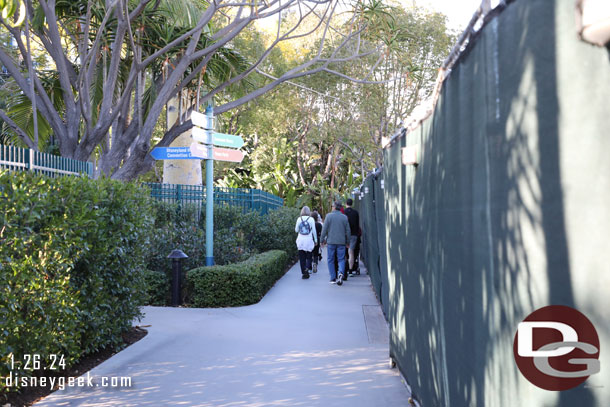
(508, 211)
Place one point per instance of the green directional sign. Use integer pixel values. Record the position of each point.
(227, 140)
(218, 139)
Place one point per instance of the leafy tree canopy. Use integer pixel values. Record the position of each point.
(111, 66)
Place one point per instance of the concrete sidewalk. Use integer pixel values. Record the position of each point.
(307, 343)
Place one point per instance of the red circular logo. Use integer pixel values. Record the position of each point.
(556, 348)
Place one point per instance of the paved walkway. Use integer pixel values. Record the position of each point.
(307, 343)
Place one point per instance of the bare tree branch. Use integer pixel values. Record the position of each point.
(298, 85)
(45, 104)
(72, 112)
(203, 21)
(82, 120)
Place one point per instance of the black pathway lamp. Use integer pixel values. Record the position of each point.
(176, 256)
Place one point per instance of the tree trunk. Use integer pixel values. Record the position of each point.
(185, 172)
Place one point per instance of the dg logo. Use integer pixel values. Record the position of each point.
(556, 348)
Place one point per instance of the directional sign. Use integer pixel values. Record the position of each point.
(201, 135)
(218, 154)
(201, 151)
(173, 153)
(227, 140)
(202, 120)
(226, 154)
(218, 139)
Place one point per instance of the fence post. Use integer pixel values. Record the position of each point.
(179, 196)
(29, 160)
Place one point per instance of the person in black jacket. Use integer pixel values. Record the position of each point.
(354, 225)
(316, 249)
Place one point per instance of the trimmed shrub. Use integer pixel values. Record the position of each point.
(157, 286)
(234, 233)
(71, 255)
(237, 236)
(175, 229)
(277, 231)
(238, 284)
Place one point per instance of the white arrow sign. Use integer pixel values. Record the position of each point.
(218, 139)
(202, 136)
(200, 151)
(201, 120)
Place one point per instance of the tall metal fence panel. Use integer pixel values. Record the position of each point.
(248, 199)
(507, 212)
(24, 159)
(370, 247)
(194, 196)
(186, 196)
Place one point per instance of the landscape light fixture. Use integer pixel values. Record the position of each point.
(176, 256)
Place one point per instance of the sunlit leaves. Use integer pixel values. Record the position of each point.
(9, 9)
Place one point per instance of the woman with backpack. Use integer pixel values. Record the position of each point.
(306, 240)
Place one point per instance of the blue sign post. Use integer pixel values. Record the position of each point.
(203, 131)
(209, 200)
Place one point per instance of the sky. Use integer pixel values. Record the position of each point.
(459, 12)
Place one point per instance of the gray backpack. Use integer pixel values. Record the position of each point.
(304, 227)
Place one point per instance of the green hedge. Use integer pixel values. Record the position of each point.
(276, 231)
(235, 231)
(71, 255)
(236, 284)
(237, 235)
(157, 286)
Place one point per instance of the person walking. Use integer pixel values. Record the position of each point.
(316, 250)
(345, 275)
(354, 225)
(336, 233)
(306, 240)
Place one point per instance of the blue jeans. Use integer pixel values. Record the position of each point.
(330, 258)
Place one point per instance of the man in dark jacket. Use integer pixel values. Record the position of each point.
(354, 225)
(336, 234)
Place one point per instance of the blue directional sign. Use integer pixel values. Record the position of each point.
(173, 153)
(218, 139)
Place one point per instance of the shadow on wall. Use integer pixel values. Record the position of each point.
(476, 235)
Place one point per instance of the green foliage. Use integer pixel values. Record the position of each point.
(71, 251)
(236, 284)
(157, 286)
(237, 235)
(9, 9)
(175, 229)
(319, 139)
(277, 232)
